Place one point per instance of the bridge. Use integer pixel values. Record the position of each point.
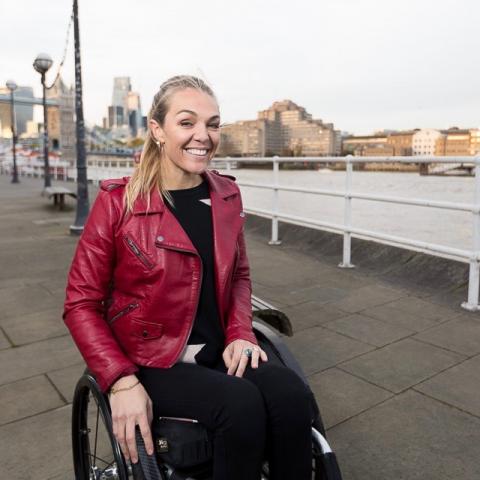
(19, 100)
(391, 356)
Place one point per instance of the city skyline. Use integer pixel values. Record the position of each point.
(357, 64)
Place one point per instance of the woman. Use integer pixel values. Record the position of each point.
(159, 301)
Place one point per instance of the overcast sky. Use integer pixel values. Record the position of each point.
(362, 64)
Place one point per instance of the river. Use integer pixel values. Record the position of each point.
(443, 227)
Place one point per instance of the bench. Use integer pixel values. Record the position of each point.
(58, 194)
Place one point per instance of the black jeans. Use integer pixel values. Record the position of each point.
(265, 414)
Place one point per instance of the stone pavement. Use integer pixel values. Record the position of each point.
(396, 371)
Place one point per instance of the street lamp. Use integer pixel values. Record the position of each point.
(12, 86)
(42, 64)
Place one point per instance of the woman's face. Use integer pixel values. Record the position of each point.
(190, 132)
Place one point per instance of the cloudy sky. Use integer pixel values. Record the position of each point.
(362, 64)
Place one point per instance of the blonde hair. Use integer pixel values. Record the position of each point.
(148, 172)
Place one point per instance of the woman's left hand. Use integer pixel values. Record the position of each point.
(236, 356)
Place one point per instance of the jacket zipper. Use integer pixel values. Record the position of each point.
(124, 311)
(139, 254)
(198, 295)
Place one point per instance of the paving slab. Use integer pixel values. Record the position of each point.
(341, 396)
(368, 296)
(302, 292)
(65, 379)
(38, 447)
(37, 358)
(4, 342)
(318, 348)
(393, 316)
(427, 309)
(35, 326)
(409, 437)
(461, 335)
(458, 386)
(25, 300)
(402, 364)
(26, 398)
(368, 330)
(311, 314)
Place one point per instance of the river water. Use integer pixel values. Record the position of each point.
(443, 227)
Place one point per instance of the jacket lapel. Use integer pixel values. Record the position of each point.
(227, 221)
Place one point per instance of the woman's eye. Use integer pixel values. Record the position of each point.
(215, 126)
(186, 124)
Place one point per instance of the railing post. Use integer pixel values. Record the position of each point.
(474, 270)
(274, 240)
(229, 165)
(347, 236)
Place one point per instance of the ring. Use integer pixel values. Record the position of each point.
(248, 352)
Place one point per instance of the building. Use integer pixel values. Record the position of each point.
(474, 141)
(425, 141)
(61, 121)
(454, 142)
(401, 142)
(367, 145)
(284, 129)
(23, 113)
(125, 110)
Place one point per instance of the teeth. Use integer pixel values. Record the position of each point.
(196, 151)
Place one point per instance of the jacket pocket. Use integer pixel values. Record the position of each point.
(146, 330)
(138, 252)
(123, 311)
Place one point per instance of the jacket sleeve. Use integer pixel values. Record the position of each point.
(87, 290)
(239, 318)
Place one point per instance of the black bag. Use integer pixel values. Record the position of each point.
(181, 442)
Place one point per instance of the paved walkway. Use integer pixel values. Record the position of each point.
(396, 373)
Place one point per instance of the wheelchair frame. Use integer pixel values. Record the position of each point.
(325, 466)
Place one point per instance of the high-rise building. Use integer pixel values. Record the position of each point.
(125, 110)
(283, 129)
(121, 87)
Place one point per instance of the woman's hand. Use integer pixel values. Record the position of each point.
(235, 357)
(131, 407)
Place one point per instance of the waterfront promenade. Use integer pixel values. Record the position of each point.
(395, 365)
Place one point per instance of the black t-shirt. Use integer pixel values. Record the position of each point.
(193, 211)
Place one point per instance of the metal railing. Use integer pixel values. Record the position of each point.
(109, 169)
(472, 257)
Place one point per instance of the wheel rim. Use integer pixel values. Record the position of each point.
(96, 453)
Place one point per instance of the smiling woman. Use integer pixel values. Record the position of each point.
(159, 302)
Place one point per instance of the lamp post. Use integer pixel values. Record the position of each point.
(12, 86)
(42, 64)
(82, 183)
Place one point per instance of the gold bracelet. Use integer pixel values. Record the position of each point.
(114, 390)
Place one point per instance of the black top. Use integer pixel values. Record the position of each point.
(193, 212)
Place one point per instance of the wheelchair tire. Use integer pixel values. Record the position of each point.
(96, 453)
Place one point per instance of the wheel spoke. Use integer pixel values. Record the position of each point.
(94, 457)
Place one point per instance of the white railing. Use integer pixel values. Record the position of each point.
(107, 169)
(468, 256)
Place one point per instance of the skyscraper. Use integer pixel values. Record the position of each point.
(125, 110)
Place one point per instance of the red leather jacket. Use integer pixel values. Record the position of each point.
(134, 283)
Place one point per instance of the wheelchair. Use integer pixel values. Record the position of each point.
(97, 454)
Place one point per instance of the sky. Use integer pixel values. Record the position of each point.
(364, 65)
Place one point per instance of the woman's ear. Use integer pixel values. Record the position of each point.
(157, 131)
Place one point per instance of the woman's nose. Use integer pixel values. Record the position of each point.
(201, 133)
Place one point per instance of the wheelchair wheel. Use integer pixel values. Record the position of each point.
(96, 453)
